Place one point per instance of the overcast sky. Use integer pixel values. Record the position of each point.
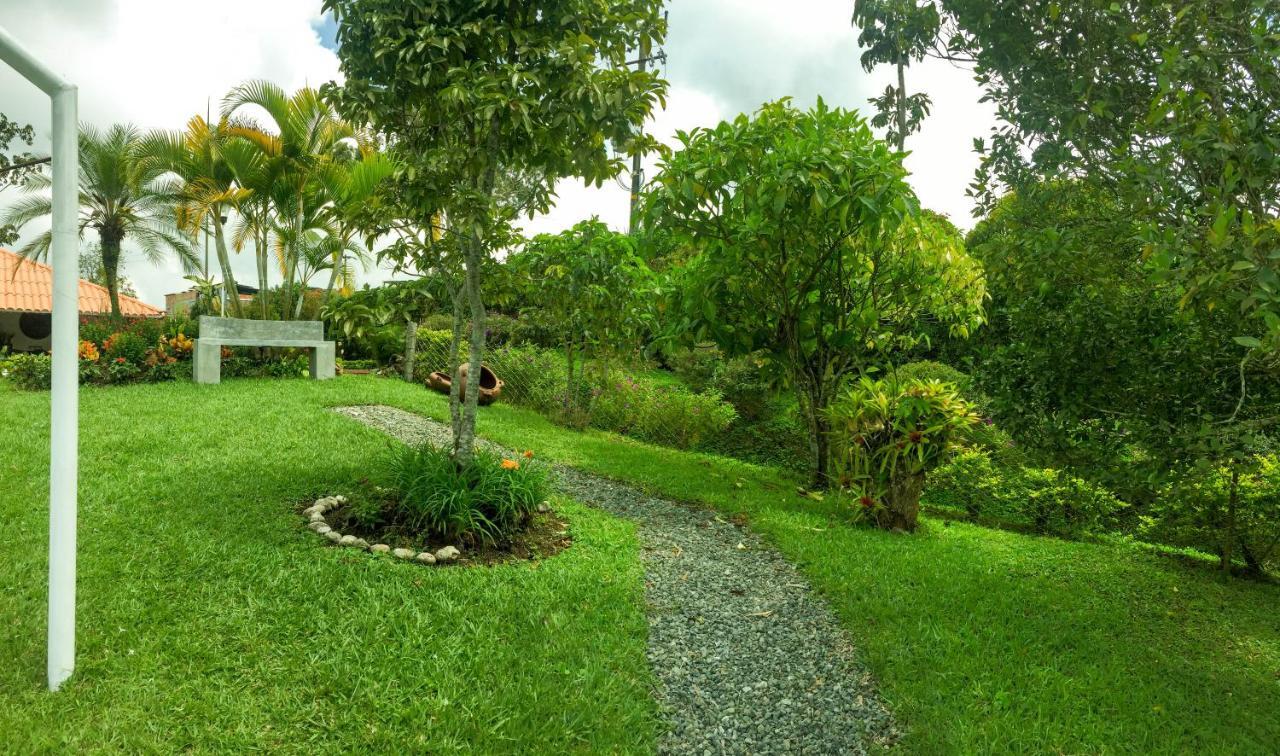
(155, 63)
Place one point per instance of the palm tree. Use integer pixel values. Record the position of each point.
(207, 160)
(307, 134)
(120, 198)
(350, 185)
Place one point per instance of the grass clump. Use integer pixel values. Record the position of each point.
(486, 501)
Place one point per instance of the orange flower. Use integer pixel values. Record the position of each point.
(510, 464)
(89, 351)
(528, 454)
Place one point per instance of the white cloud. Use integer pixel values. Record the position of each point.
(155, 63)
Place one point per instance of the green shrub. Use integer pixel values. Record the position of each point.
(661, 413)
(242, 365)
(698, 366)
(637, 406)
(532, 377)
(357, 364)
(132, 344)
(1193, 512)
(30, 372)
(1044, 500)
(777, 438)
(485, 502)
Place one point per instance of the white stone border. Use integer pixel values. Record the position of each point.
(317, 524)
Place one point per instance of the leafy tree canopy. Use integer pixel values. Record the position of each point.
(592, 285)
(809, 247)
(469, 91)
(1172, 104)
(9, 174)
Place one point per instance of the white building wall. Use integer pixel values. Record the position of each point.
(21, 343)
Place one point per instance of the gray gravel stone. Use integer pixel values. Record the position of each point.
(404, 553)
(334, 536)
(427, 557)
(748, 659)
(379, 548)
(447, 554)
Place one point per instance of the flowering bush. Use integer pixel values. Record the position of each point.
(89, 351)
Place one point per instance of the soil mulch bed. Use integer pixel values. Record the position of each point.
(545, 534)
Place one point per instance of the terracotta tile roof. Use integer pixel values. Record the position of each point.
(28, 287)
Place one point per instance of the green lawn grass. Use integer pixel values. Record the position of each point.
(209, 620)
(990, 641)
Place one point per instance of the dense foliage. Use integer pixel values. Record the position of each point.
(1166, 102)
(1093, 365)
(589, 284)
(472, 94)
(810, 250)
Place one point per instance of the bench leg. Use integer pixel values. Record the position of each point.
(323, 360)
(207, 365)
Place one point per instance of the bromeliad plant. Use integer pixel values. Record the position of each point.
(887, 434)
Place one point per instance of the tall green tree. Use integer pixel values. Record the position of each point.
(594, 288)
(468, 90)
(809, 247)
(1167, 102)
(206, 160)
(897, 32)
(120, 198)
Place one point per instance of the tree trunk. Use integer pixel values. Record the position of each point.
(902, 107)
(1229, 537)
(902, 504)
(570, 399)
(229, 288)
(464, 445)
(333, 281)
(411, 349)
(291, 266)
(455, 345)
(297, 309)
(813, 404)
(110, 243)
(260, 239)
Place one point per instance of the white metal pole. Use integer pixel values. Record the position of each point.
(65, 410)
(64, 398)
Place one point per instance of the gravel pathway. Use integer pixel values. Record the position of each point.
(748, 659)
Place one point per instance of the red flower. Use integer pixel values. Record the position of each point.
(867, 502)
(120, 360)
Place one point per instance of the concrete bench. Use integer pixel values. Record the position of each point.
(215, 333)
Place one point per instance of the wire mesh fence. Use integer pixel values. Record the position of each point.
(630, 399)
